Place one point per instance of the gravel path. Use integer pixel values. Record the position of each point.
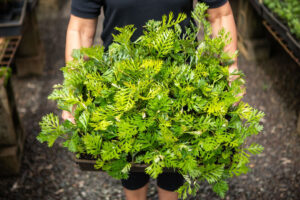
(273, 86)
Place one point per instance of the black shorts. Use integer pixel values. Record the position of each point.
(167, 181)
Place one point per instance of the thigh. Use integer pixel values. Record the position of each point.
(170, 181)
(135, 180)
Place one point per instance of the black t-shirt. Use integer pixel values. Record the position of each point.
(118, 13)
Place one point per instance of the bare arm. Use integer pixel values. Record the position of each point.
(222, 17)
(80, 33)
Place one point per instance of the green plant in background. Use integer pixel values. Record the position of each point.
(5, 73)
(162, 100)
(288, 11)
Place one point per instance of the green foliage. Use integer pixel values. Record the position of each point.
(221, 188)
(288, 11)
(51, 129)
(255, 149)
(162, 100)
(5, 73)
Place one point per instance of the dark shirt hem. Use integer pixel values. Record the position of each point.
(216, 4)
(82, 14)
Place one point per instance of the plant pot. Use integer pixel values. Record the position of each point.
(10, 125)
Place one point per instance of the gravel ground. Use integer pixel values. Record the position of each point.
(273, 86)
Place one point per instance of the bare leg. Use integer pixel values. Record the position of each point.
(139, 194)
(166, 195)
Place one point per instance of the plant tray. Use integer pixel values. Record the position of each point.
(295, 57)
(273, 21)
(277, 26)
(294, 45)
(282, 31)
(88, 165)
(11, 24)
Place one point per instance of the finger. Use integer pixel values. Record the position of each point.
(232, 78)
(68, 116)
(72, 120)
(236, 104)
(65, 116)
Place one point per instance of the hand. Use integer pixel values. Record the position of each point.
(68, 116)
(239, 95)
(232, 78)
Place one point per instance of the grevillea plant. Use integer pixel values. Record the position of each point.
(163, 100)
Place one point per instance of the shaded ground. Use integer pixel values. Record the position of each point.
(272, 86)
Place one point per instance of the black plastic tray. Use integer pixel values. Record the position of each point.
(294, 45)
(13, 24)
(257, 6)
(88, 165)
(274, 22)
(282, 30)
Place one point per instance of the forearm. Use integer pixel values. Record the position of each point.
(73, 41)
(80, 33)
(223, 18)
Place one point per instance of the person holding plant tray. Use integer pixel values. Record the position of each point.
(119, 13)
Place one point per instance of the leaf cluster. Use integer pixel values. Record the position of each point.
(163, 100)
(5, 74)
(288, 11)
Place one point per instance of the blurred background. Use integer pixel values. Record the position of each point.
(32, 44)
